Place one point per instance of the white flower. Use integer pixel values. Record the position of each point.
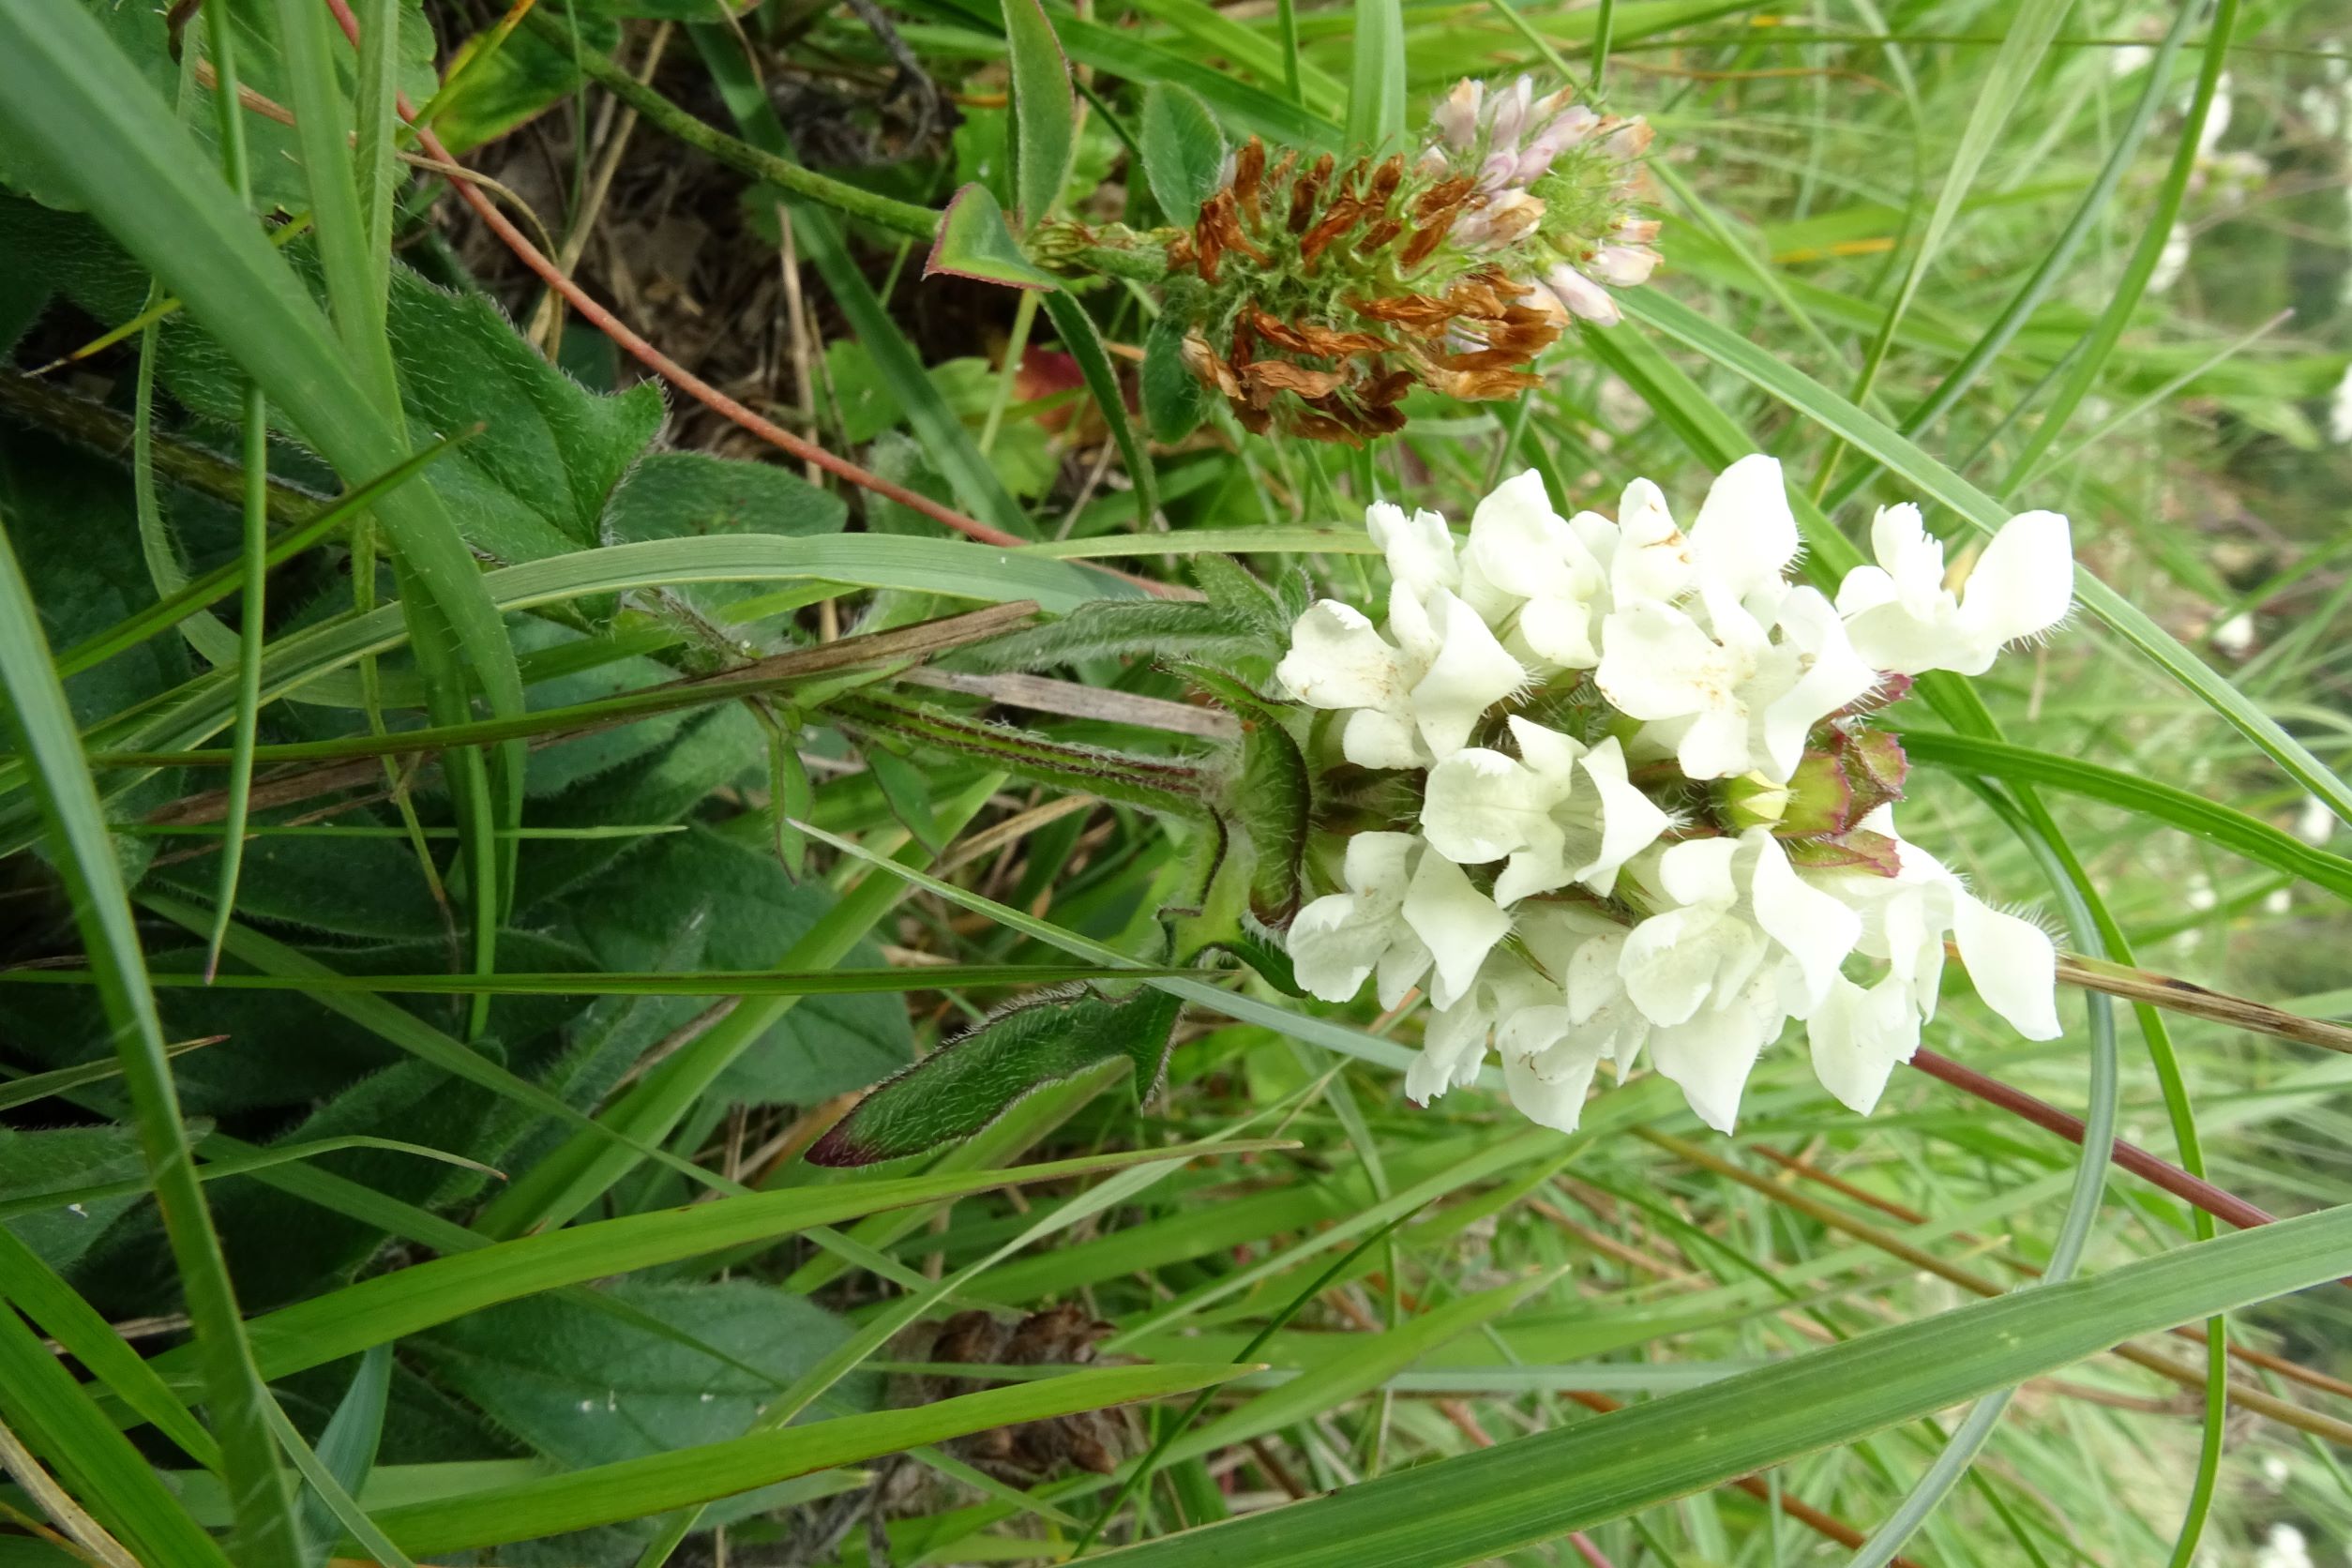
(1860, 1034)
(1405, 914)
(1550, 1046)
(1725, 696)
(1338, 940)
(1410, 701)
(1525, 562)
(1483, 806)
(1901, 618)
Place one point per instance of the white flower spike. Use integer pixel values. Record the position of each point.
(1640, 813)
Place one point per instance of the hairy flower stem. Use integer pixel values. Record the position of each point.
(1174, 788)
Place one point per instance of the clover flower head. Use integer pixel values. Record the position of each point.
(1320, 292)
(1648, 811)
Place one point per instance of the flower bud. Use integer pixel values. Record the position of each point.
(1753, 800)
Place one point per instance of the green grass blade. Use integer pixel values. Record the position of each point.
(67, 92)
(40, 726)
(1376, 85)
(33, 1287)
(217, 584)
(384, 1307)
(637, 1487)
(1085, 344)
(745, 982)
(106, 1475)
(338, 1467)
(2227, 826)
(1519, 1494)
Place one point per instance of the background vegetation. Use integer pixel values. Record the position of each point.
(462, 1219)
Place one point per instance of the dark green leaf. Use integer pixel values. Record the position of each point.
(1045, 110)
(347, 1446)
(973, 1079)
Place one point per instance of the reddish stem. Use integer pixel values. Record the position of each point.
(669, 370)
(2139, 1162)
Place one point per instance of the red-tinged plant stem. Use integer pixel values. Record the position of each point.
(2139, 1162)
(669, 370)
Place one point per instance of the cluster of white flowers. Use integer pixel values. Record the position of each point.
(1648, 810)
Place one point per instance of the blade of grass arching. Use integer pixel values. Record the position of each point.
(1085, 345)
(2082, 1207)
(1376, 85)
(40, 727)
(66, 91)
(214, 642)
(40, 1086)
(585, 1167)
(2053, 263)
(29, 1284)
(945, 441)
(19, 1204)
(216, 584)
(2234, 830)
(2156, 228)
(1996, 97)
(1499, 1499)
(1756, 266)
(384, 1307)
(106, 1475)
(636, 1488)
(2155, 397)
(1934, 481)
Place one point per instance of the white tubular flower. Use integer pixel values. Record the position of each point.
(1338, 942)
(1902, 619)
(1410, 702)
(1746, 537)
(1710, 1054)
(1483, 806)
(1652, 560)
(1419, 548)
(1457, 924)
(1525, 561)
(1659, 665)
(1860, 1034)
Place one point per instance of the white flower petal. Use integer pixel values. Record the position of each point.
(1670, 962)
(2012, 964)
(1890, 638)
(1338, 659)
(1833, 676)
(1652, 559)
(1419, 548)
(1451, 1048)
(1459, 925)
(1482, 806)
(1631, 821)
(1716, 744)
(1710, 1056)
(1331, 952)
(1382, 738)
(1470, 673)
(1699, 871)
(1656, 663)
(1745, 535)
(1858, 1037)
(2023, 583)
(1547, 1066)
(1816, 928)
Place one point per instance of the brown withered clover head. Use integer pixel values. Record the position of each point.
(1320, 294)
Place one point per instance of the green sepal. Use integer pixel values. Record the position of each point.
(974, 241)
(1273, 801)
(968, 1083)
